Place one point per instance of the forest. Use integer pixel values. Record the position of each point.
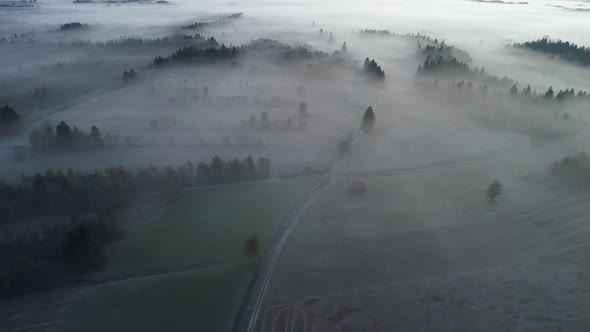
(434, 48)
(64, 137)
(221, 20)
(440, 66)
(40, 259)
(73, 26)
(562, 49)
(44, 259)
(76, 192)
(195, 54)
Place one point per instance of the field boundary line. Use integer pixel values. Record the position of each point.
(433, 167)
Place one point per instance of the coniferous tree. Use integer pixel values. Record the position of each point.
(344, 48)
(549, 93)
(494, 190)
(368, 121)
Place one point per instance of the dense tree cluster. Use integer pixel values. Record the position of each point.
(373, 70)
(440, 63)
(303, 53)
(268, 44)
(73, 26)
(439, 66)
(417, 36)
(130, 75)
(39, 260)
(198, 54)
(562, 49)
(421, 38)
(195, 54)
(451, 62)
(64, 137)
(221, 20)
(71, 192)
(374, 32)
(434, 49)
(10, 121)
(175, 40)
(196, 25)
(387, 33)
(170, 40)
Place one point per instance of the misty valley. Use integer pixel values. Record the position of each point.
(294, 166)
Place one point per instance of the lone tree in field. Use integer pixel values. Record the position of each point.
(494, 190)
(252, 248)
(368, 119)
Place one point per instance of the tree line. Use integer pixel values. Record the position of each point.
(528, 92)
(123, 41)
(375, 32)
(562, 49)
(223, 19)
(302, 53)
(199, 54)
(75, 192)
(435, 48)
(192, 54)
(443, 67)
(64, 137)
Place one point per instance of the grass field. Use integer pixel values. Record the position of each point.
(196, 250)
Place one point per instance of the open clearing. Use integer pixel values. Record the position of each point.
(208, 227)
(423, 250)
(199, 300)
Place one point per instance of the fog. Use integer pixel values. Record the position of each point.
(481, 29)
(249, 104)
